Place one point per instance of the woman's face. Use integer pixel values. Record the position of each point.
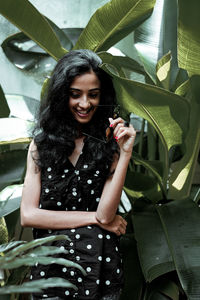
(84, 97)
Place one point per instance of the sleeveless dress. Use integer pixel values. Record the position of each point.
(79, 188)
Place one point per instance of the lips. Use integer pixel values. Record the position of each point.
(84, 113)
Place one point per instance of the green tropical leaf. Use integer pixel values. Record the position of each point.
(37, 286)
(155, 257)
(163, 109)
(4, 108)
(180, 221)
(157, 36)
(20, 13)
(113, 21)
(188, 36)
(163, 70)
(27, 246)
(183, 170)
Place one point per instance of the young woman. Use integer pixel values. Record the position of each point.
(74, 178)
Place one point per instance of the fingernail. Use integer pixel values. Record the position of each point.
(111, 125)
(116, 137)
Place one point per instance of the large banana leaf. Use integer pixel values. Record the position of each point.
(183, 170)
(164, 110)
(157, 36)
(4, 108)
(26, 17)
(180, 221)
(113, 21)
(188, 36)
(154, 254)
(174, 227)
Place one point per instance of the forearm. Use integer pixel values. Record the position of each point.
(49, 219)
(112, 193)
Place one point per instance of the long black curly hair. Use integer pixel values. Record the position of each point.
(56, 127)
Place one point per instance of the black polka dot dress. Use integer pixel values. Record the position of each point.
(96, 250)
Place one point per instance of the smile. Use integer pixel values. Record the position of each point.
(84, 113)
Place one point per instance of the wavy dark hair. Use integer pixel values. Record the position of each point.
(56, 127)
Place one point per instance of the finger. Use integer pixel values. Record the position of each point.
(116, 121)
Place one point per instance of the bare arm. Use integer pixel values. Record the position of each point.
(32, 216)
(111, 195)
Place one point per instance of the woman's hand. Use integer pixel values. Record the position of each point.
(125, 136)
(117, 226)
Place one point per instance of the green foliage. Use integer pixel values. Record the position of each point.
(164, 222)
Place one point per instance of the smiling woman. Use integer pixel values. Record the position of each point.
(74, 182)
(84, 97)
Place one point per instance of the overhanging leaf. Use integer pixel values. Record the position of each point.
(163, 70)
(188, 36)
(20, 13)
(183, 170)
(113, 21)
(36, 286)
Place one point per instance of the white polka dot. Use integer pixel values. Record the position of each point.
(66, 170)
(49, 169)
(85, 166)
(72, 273)
(42, 273)
(100, 258)
(76, 172)
(59, 203)
(31, 277)
(49, 231)
(79, 177)
(67, 293)
(89, 181)
(107, 236)
(77, 257)
(97, 281)
(63, 176)
(74, 193)
(45, 296)
(71, 244)
(100, 236)
(62, 248)
(77, 236)
(52, 198)
(116, 248)
(108, 259)
(71, 251)
(97, 171)
(97, 199)
(118, 271)
(73, 230)
(40, 206)
(107, 282)
(88, 269)
(89, 227)
(46, 190)
(50, 176)
(66, 208)
(87, 292)
(74, 189)
(64, 270)
(74, 208)
(92, 192)
(79, 200)
(89, 246)
(80, 279)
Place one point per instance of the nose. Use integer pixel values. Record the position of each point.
(84, 102)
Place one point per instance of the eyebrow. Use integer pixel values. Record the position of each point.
(74, 89)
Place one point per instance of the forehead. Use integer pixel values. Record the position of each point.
(87, 80)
